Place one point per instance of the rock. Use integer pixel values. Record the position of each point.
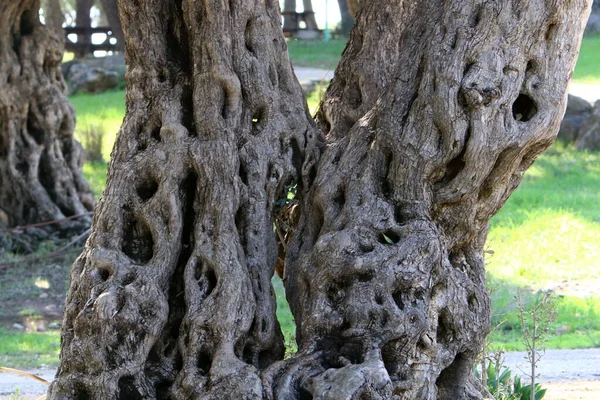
(593, 25)
(41, 327)
(94, 80)
(589, 131)
(581, 124)
(18, 327)
(43, 295)
(54, 325)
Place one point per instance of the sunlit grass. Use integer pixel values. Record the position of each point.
(29, 350)
(588, 65)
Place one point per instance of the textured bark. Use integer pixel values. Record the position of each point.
(111, 12)
(425, 141)
(53, 14)
(172, 296)
(40, 161)
(435, 111)
(83, 20)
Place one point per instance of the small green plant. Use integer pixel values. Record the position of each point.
(502, 385)
(92, 138)
(536, 324)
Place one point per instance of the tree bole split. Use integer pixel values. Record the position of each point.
(435, 111)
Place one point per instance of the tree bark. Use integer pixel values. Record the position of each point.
(83, 20)
(425, 142)
(53, 14)
(353, 6)
(111, 11)
(172, 296)
(435, 111)
(290, 22)
(40, 161)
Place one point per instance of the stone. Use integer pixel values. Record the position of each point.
(589, 131)
(18, 327)
(43, 295)
(93, 80)
(54, 325)
(41, 327)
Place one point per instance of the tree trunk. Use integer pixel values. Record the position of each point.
(353, 6)
(347, 17)
(53, 14)
(290, 22)
(172, 297)
(40, 161)
(83, 20)
(111, 11)
(311, 22)
(425, 142)
(385, 275)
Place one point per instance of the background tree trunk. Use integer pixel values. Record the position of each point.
(347, 17)
(353, 6)
(53, 14)
(425, 142)
(83, 20)
(40, 161)
(111, 11)
(311, 22)
(290, 22)
(172, 297)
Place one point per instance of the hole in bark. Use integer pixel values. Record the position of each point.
(365, 247)
(379, 299)
(27, 23)
(206, 278)
(454, 41)
(456, 165)
(23, 167)
(304, 394)
(129, 278)
(531, 66)
(452, 380)
(397, 296)
(335, 293)
(551, 32)
(524, 108)
(248, 36)
(388, 237)
(155, 134)
(204, 362)
(138, 243)
(34, 131)
(104, 274)
(443, 331)
(224, 111)
(366, 276)
(127, 388)
(147, 189)
(273, 76)
(476, 17)
(243, 174)
(352, 352)
(472, 301)
(259, 120)
(340, 198)
(81, 392)
(264, 325)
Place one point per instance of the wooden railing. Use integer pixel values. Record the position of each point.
(84, 45)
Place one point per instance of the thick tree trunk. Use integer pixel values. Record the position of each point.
(111, 11)
(425, 142)
(435, 111)
(53, 14)
(347, 17)
(40, 161)
(172, 297)
(353, 6)
(83, 20)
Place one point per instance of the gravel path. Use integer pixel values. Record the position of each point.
(574, 372)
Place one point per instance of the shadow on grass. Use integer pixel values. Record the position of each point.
(577, 322)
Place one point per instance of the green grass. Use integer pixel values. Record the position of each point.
(101, 111)
(316, 53)
(29, 350)
(588, 64)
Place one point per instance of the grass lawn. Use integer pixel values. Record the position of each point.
(588, 64)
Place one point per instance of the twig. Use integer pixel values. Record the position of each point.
(23, 373)
(56, 221)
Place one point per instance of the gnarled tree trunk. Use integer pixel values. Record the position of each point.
(172, 297)
(83, 20)
(40, 161)
(53, 14)
(425, 142)
(435, 111)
